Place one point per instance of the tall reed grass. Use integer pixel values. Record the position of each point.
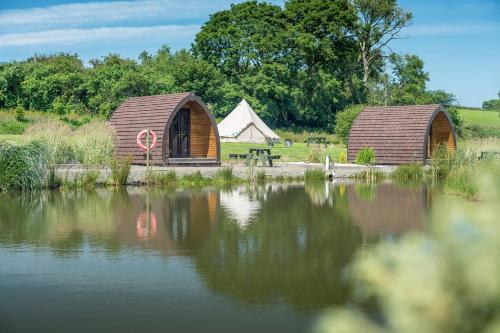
(22, 167)
(120, 170)
(91, 144)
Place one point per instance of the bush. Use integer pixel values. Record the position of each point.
(344, 121)
(120, 169)
(366, 156)
(20, 116)
(22, 167)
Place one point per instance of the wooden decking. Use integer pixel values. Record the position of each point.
(195, 161)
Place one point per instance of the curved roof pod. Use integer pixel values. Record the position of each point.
(157, 113)
(401, 134)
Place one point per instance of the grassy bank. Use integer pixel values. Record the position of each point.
(480, 123)
(457, 172)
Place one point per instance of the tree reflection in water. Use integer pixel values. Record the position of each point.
(259, 244)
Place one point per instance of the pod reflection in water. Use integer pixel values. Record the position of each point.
(278, 252)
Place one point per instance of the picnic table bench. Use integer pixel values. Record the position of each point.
(316, 140)
(255, 155)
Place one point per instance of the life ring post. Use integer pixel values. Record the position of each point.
(151, 139)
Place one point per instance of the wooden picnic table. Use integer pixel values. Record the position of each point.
(264, 154)
(260, 151)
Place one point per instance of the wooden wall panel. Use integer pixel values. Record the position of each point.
(212, 144)
(441, 133)
(200, 131)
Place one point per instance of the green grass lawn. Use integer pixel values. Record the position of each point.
(299, 152)
(479, 123)
(481, 118)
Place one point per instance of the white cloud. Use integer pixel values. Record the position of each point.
(453, 29)
(76, 36)
(107, 13)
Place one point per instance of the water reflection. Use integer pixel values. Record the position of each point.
(267, 245)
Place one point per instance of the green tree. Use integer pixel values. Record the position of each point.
(379, 22)
(250, 45)
(111, 81)
(492, 104)
(240, 40)
(323, 57)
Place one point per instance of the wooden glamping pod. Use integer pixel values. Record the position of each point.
(186, 130)
(401, 134)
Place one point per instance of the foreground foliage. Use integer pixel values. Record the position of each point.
(443, 281)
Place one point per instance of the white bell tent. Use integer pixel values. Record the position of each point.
(244, 125)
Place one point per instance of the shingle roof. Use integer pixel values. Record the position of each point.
(396, 133)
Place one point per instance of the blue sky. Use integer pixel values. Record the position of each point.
(458, 40)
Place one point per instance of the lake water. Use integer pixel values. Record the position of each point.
(269, 258)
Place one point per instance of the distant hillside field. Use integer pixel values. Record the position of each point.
(486, 122)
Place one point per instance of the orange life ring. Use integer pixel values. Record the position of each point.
(141, 135)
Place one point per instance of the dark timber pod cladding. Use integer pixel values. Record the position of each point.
(185, 128)
(401, 134)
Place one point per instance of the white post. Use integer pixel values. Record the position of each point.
(327, 163)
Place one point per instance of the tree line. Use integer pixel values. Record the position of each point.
(297, 66)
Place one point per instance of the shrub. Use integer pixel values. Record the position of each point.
(22, 167)
(20, 114)
(366, 156)
(120, 169)
(344, 121)
(314, 175)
